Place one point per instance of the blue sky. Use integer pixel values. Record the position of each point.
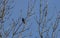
(53, 8)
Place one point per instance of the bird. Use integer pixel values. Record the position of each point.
(23, 20)
(0, 36)
(0, 17)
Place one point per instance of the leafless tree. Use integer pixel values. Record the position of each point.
(19, 26)
(42, 19)
(55, 26)
(22, 22)
(43, 22)
(4, 15)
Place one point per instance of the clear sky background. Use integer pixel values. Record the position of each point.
(53, 8)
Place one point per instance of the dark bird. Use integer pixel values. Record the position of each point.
(23, 20)
(0, 17)
(0, 36)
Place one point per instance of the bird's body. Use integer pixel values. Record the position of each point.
(23, 20)
(0, 17)
(0, 36)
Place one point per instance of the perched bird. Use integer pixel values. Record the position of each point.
(0, 36)
(0, 16)
(23, 20)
